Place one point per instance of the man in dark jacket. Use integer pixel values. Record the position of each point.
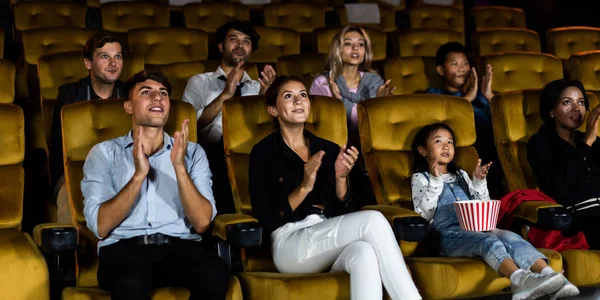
(103, 57)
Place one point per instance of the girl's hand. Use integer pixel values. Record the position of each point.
(433, 169)
(481, 171)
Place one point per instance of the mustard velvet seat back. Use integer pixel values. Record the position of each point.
(24, 274)
(566, 41)
(43, 14)
(306, 66)
(275, 42)
(413, 74)
(424, 42)
(324, 37)
(300, 17)
(180, 73)
(209, 16)
(245, 123)
(522, 70)
(387, 18)
(497, 40)
(128, 15)
(7, 85)
(487, 17)
(437, 17)
(161, 46)
(585, 66)
(84, 125)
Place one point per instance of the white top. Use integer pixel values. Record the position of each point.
(203, 89)
(426, 193)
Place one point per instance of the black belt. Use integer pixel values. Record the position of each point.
(153, 239)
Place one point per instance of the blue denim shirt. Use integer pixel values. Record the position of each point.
(108, 168)
(481, 106)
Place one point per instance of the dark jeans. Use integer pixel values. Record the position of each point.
(129, 271)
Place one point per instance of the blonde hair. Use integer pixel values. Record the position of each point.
(334, 61)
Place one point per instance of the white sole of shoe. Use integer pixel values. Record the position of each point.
(552, 285)
(567, 290)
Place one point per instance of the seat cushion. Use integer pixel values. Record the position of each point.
(24, 273)
(322, 286)
(582, 268)
(459, 277)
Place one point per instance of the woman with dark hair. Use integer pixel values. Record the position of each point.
(566, 161)
(299, 193)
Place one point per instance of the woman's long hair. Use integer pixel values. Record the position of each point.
(334, 61)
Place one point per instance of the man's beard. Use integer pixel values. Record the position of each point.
(232, 61)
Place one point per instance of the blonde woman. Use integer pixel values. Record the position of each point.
(348, 75)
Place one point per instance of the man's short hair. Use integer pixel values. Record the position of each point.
(241, 26)
(445, 49)
(144, 75)
(98, 40)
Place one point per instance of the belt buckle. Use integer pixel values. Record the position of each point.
(145, 239)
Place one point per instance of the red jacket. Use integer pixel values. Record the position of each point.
(539, 238)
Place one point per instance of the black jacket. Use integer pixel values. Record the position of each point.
(568, 174)
(276, 170)
(71, 93)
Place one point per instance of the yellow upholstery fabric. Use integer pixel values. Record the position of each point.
(83, 293)
(275, 42)
(40, 42)
(488, 41)
(24, 273)
(12, 143)
(222, 221)
(524, 70)
(378, 38)
(456, 3)
(179, 73)
(387, 18)
(388, 126)
(438, 17)
(306, 66)
(424, 42)
(260, 286)
(209, 16)
(296, 16)
(246, 122)
(412, 74)
(161, 46)
(84, 125)
(516, 117)
(41, 14)
(585, 66)
(582, 267)
(7, 85)
(124, 16)
(498, 16)
(566, 41)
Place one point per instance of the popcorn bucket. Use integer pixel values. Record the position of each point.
(477, 215)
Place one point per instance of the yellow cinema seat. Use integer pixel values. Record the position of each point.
(305, 66)
(209, 16)
(516, 117)
(275, 42)
(161, 46)
(24, 274)
(437, 17)
(7, 85)
(128, 15)
(424, 42)
(521, 70)
(412, 74)
(566, 41)
(45, 14)
(498, 40)
(387, 128)
(487, 17)
(295, 16)
(324, 36)
(585, 67)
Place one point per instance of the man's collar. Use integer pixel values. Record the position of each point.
(167, 141)
(219, 72)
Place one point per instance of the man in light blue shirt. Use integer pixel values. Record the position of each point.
(147, 198)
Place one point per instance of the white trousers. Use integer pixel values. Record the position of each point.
(361, 244)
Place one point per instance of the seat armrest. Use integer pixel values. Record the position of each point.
(544, 215)
(408, 225)
(56, 238)
(238, 230)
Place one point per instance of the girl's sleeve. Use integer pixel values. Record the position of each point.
(425, 193)
(477, 188)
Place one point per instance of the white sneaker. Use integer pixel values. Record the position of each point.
(533, 285)
(566, 290)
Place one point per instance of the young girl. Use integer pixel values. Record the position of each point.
(438, 182)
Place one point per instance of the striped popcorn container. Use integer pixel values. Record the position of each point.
(477, 215)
